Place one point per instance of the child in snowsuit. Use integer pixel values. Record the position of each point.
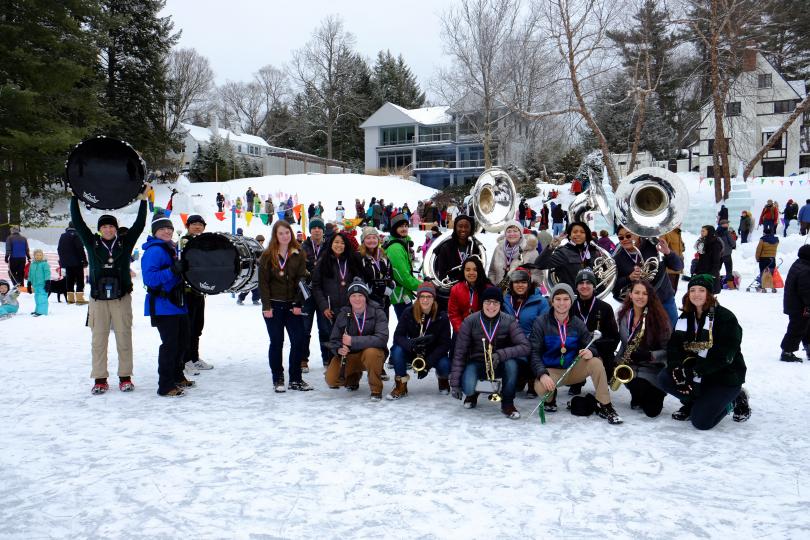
(8, 300)
(38, 273)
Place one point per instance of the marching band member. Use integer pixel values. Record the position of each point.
(454, 251)
(633, 251)
(644, 329)
(465, 296)
(556, 342)
(513, 249)
(501, 334)
(597, 315)
(422, 330)
(282, 265)
(313, 246)
(398, 249)
(195, 302)
(568, 259)
(330, 282)
(705, 366)
(524, 302)
(377, 271)
(359, 340)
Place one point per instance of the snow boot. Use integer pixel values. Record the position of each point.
(401, 388)
(174, 392)
(575, 389)
(278, 387)
(444, 386)
(304, 366)
(683, 413)
(551, 404)
(199, 363)
(384, 376)
(185, 383)
(375, 397)
(125, 384)
(301, 386)
(789, 357)
(100, 387)
(510, 411)
(471, 401)
(607, 412)
(80, 301)
(71, 297)
(742, 410)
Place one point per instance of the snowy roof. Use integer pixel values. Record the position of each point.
(428, 115)
(203, 134)
(798, 86)
(392, 115)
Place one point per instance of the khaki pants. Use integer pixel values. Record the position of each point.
(117, 314)
(592, 368)
(370, 360)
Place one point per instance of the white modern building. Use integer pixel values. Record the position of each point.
(758, 103)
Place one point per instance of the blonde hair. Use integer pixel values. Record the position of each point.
(40, 252)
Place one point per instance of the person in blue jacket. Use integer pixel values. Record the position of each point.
(525, 303)
(165, 304)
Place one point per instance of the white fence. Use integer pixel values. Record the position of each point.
(284, 164)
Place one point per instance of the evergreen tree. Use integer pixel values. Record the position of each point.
(135, 43)
(48, 100)
(393, 81)
(568, 164)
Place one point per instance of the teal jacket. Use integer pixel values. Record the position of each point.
(38, 273)
(396, 249)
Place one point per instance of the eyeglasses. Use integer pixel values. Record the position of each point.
(425, 297)
(491, 302)
(626, 237)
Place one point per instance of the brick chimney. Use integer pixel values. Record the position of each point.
(749, 59)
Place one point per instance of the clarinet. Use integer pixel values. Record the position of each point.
(342, 375)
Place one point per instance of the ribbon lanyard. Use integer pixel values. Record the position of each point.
(110, 248)
(360, 326)
(282, 262)
(562, 329)
(585, 255)
(423, 326)
(588, 316)
(516, 310)
(317, 250)
(490, 335)
(630, 326)
(510, 253)
(472, 295)
(375, 260)
(343, 270)
(462, 255)
(636, 257)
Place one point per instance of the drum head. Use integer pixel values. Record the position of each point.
(213, 263)
(105, 173)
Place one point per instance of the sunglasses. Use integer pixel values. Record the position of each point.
(626, 237)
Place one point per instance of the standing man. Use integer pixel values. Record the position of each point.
(804, 218)
(769, 217)
(796, 305)
(220, 202)
(195, 303)
(110, 291)
(73, 259)
(249, 196)
(17, 253)
(557, 218)
(729, 245)
(314, 248)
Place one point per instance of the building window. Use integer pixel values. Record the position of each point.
(804, 162)
(395, 160)
(765, 80)
(784, 106)
(710, 144)
(435, 133)
(239, 148)
(397, 135)
(733, 108)
(778, 145)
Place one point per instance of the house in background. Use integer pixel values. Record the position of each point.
(436, 145)
(758, 103)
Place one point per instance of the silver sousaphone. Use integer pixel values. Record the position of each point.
(494, 203)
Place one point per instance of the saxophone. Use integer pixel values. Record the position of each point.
(623, 373)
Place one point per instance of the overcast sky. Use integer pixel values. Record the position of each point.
(240, 36)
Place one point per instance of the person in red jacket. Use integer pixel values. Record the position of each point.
(769, 217)
(465, 296)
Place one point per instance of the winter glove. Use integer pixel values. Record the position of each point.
(179, 266)
(455, 393)
(640, 357)
(422, 341)
(687, 381)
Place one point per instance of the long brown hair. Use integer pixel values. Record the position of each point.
(418, 313)
(658, 326)
(689, 307)
(272, 248)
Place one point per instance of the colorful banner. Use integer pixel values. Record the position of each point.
(297, 210)
(248, 217)
(265, 218)
(184, 217)
(711, 181)
(220, 215)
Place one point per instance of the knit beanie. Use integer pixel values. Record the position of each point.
(426, 287)
(195, 218)
(107, 219)
(492, 293)
(469, 219)
(358, 286)
(562, 288)
(704, 280)
(588, 235)
(315, 222)
(160, 221)
(586, 274)
(396, 221)
(369, 231)
(513, 223)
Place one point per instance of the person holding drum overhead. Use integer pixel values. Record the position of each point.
(282, 265)
(110, 290)
(339, 265)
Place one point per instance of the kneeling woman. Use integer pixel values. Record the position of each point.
(492, 334)
(425, 332)
(705, 367)
(282, 265)
(644, 328)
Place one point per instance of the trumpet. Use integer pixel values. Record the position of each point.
(489, 367)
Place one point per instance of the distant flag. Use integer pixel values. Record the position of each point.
(248, 217)
(265, 218)
(220, 215)
(184, 217)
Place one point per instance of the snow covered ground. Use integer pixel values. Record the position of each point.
(234, 460)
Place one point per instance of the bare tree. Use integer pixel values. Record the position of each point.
(190, 80)
(477, 35)
(274, 84)
(323, 70)
(242, 106)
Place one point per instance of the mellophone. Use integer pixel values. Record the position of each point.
(108, 174)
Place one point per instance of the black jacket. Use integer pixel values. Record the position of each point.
(625, 265)
(373, 335)
(309, 249)
(379, 279)
(710, 261)
(797, 287)
(438, 329)
(326, 283)
(566, 261)
(70, 249)
(447, 256)
(601, 318)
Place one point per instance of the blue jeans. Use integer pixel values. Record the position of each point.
(672, 310)
(507, 371)
(255, 295)
(709, 407)
(400, 358)
(283, 318)
(557, 229)
(310, 314)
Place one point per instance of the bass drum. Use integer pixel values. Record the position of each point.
(222, 262)
(105, 173)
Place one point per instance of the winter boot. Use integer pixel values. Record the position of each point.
(607, 412)
(71, 298)
(384, 376)
(742, 410)
(444, 386)
(80, 299)
(174, 392)
(510, 411)
(185, 383)
(301, 386)
(278, 387)
(575, 389)
(551, 404)
(125, 384)
(471, 401)
(401, 388)
(683, 413)
(789, 357)
(375, 396)
(100, 387)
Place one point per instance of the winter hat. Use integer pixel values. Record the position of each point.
(358, 286)
(519, 274)
(492, 293)
(513, 223)
(463, 217)
(315, 222)
(586, 274)
(239, 231)
(429, 288)
(160, 221)
(562, 288)
(6, 283)
(704, 280)
(804, 252)
(107, 219)
(195, 218)
(369, 231)
(396, 221)
(582, 405)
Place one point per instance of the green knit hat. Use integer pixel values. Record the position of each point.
(704, 280)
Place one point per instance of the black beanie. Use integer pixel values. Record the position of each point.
(492, 293)
(463, 217)
(195, 218)
(160, 221)
(107, 219)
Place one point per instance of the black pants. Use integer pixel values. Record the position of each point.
(709, 407)
(16, 270)
(74, 279)
(196, 320)
(646, 395)
(173, 331)
(729, 266)
(798, 331)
